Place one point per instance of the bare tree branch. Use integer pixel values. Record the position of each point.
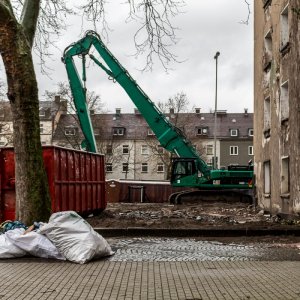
(156, 33)
(246, 22)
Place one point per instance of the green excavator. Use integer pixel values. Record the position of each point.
(188, 168)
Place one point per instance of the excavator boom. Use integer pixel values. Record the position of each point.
(189, 169)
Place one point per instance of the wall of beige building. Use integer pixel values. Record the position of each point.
(276, 105)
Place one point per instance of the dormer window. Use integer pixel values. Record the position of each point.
(150, 132)
(250, 131)
(118, 131)
(202, 131)
(42, 113)
(234, 132)
(70, 130)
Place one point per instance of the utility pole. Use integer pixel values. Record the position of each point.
(216, 101)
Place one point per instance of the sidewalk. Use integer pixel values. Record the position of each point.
(33, 278)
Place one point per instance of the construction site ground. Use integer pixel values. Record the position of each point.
(187, 216)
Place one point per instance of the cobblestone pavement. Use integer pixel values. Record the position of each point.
(198, 277)
(174, 249)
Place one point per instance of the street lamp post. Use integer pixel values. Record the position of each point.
(216, 98)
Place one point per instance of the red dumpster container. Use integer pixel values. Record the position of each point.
(76, 181)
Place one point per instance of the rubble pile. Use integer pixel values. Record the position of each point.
(154, 215)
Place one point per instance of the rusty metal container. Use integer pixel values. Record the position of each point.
(76, 181)
(139, 191)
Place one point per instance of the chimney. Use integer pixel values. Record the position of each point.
(57, 99)
(118, 111)
(197, 110)
(172, 111)
(246, 112)
(136, 111)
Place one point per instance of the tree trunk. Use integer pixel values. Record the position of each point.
(32, 194)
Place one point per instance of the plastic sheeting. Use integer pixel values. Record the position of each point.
(75, 238)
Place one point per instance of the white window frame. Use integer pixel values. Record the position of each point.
(160, 168)
(234, 150)
(70, 131)
(41, 128)
(118, 130)
(202, 131)
(250, 150)
(209, 149)
(234, 132)
(144, 168)
(109, 166)
(125, 149)
(144, 150)
(250, 131)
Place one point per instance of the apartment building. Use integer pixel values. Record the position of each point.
(133, 152)
(277, 105)
(49, 114)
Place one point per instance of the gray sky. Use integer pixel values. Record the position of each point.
(206, 26)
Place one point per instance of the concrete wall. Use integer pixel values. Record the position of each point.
(276, 105)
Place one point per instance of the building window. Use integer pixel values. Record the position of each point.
(160, 149)
(202, 131)
(125, 167)
(150, 132)
(284, 101)
(250, 150)
(41, 128)
(42, 113)
(267, 177)
(109, 167)
(268, 51)
(250, 131)
(125, 149)
(234, 132)
(234, 150)
(267, 113)
(144, 150)
(285, 175)
(118, 131)
(109, 149)
(284, 28)
(144, 167)
(160, 168)
(70, 131)
(209, 150)
(267, 3)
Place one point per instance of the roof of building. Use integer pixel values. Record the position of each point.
(135, 126)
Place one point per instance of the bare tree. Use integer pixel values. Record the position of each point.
(63, 90)
(29, 24)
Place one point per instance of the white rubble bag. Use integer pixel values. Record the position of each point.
(34, 244)
(8, 249)
(75, 238)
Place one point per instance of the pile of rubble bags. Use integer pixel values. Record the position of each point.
(66, 236)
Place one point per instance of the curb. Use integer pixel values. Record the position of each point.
(203, 232)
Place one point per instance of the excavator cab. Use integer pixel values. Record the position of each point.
(181, 168)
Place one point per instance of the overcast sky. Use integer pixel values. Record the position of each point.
(206, 26)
